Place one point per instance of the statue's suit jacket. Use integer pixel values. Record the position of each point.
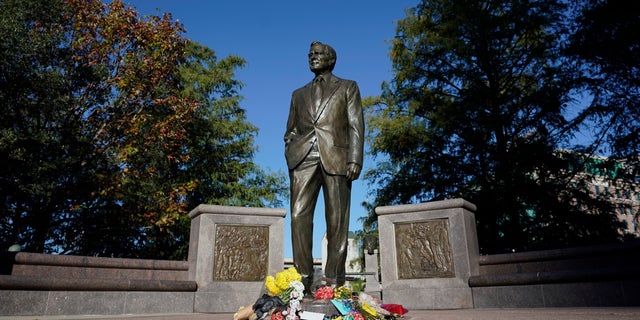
(337, 126)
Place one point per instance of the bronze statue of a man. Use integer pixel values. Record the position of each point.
(324, 149)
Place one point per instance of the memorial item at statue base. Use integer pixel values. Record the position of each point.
(282, 300)
(285, 300)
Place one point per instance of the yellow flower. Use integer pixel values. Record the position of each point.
(342, 292)
(271, 286)
(281, 281)
(366, 308)
(294, 275)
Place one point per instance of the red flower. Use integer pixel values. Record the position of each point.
(394, 308)
(356, 316)
(277, 316)
(324, 293)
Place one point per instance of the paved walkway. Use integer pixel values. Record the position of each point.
(468, 314)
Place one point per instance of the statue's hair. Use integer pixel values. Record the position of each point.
(328, 50)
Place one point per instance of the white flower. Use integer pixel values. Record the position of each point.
(292, 315)
(298, 290)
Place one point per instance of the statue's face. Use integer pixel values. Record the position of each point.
(319, 60)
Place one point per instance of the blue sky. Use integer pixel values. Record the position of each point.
(274, 38)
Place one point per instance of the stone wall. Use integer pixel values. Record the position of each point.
(41, 284)
(593, 276)
(68, 266)
(231, 251)
(429, 260)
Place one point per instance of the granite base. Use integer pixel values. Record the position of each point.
(319, 306)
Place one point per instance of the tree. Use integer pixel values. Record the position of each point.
(476, 110)
(220, 140)
(107, 135)
(138, 126)
(42, 146)
(607, 44)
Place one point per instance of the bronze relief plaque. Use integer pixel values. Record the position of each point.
(423, 250)
(241, 253)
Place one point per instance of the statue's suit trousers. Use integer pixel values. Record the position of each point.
(306, 181)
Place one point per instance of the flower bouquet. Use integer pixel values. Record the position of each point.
(357, 306)
(282, 300)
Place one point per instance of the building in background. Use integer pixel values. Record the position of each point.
(353, 268)
(353, 264)
(613, 180)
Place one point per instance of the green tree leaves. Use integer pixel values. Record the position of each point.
(115, 127)
(221, 141)
(477, 110)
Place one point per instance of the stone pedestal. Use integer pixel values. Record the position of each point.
(372, 284)
(428, 252)
(231, 251)
(319, 306)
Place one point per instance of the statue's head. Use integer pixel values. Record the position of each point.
(322, 57)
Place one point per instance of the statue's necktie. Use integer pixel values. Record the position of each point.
(317, 93)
